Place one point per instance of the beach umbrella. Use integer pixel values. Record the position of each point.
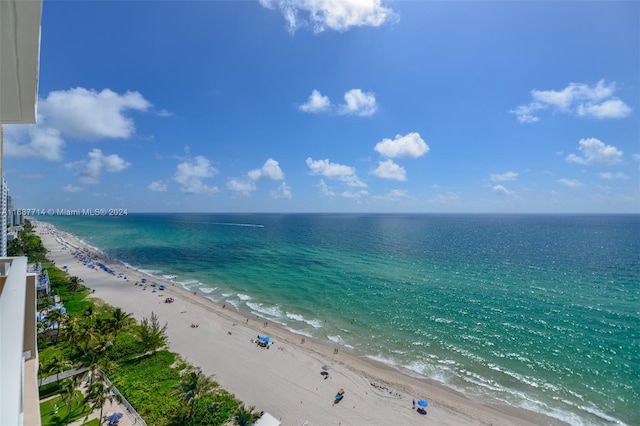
(115, 417)
(422, 403)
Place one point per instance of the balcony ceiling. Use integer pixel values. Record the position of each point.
(19, 60)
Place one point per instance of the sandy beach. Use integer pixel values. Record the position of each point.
(284, 380)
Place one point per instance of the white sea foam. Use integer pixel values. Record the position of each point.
(213, 299)
(207, 290)
(244, 296)
(297, 317)
(336, 339)
(169, 277)
(233, 302)
(302, 333)
(188, 283)
(270, 311)
(150, 272)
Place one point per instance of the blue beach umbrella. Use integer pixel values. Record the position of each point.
(115, 418)
(422, 403)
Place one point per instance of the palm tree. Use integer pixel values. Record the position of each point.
(119, 321)
(87, 333)
(98, 395)
(246, 416)
(88, 312)
(152, 335)
(75, 283)
(57, 364)
(193, 384)
(55, 317)
(69, 395)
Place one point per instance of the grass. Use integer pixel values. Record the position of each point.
(147, 382)
(50, 418)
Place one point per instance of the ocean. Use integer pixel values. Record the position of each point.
(537, 311)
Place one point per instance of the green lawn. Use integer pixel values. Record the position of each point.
(51, 418)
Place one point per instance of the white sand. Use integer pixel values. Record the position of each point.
(284, 380)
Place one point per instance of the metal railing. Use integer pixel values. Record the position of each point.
(123, 401)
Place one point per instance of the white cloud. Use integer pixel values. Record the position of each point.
(283, 192)
(33, 141)
(393, 195)
(90, 115)
(354, 194)
(330, 170)
(316, 103)
(157, 186)
(269, 171)
(578, 99)
(571, 183)
(504, 176)
(325, 189)
(595, 152)
(390, 170)
(96, 163)
(243, 187)
(358, 103)
(410, 145)
(501, 190)
(610, 176)
(190, 174)
(79, 113)
(338, 15)
(71, 188)
(614, 108)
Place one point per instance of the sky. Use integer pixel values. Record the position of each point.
(333, 106)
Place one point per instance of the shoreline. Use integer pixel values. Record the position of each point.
(285, 380)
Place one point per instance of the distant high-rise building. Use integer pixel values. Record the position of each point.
(11, 218)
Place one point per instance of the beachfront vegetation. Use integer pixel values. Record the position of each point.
(27, 244)
(152, 335)
(163, 389)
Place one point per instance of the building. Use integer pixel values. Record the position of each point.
(19, 70)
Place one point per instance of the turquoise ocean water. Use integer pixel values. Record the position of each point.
(538, 311)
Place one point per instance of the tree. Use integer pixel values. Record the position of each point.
(69, 395)
(57, 364)
(72, 331)
(119, 321)
(75, 283)
(87, 333)
(88, 312)
(193, 385)
(246, 416)
(55, 318)
(98, 395)
(153, 336)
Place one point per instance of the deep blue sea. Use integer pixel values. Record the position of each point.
(538, 311)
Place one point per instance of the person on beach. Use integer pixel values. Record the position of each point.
(414, 405)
